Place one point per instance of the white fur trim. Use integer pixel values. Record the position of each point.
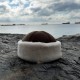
(38, 51)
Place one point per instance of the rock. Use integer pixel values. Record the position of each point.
(14, 68)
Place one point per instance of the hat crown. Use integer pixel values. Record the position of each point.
(39, 36)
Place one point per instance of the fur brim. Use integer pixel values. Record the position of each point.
(39, 52)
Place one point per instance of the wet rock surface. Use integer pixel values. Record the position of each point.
(14, 68)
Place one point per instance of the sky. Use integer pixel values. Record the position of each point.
(52, 11)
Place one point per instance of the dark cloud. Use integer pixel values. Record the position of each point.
(47, 9)
(3, 9)
(57, 7)
(2, 0)
(36, 9)
(64, 6)
(45, 12)
(41, 11)
(10, 0)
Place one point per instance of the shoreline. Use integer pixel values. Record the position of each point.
(18, 34)
(14, 68)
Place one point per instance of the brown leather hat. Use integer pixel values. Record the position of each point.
(39, 36)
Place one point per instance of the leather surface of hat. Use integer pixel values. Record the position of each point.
(39, 36)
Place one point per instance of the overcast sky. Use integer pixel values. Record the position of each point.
(54, 11)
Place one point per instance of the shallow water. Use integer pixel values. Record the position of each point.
(55, 30)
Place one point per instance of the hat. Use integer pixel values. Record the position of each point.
(39, 46)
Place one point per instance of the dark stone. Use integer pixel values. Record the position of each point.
(39, 36)
(14, 68)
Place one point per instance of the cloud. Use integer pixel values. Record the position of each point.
(2, 0)
(45, 12)
(65, 6)
(40, 10)
(49, 8)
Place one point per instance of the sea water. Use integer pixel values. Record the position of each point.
(57, 30)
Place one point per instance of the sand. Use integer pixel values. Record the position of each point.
(14, 68)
